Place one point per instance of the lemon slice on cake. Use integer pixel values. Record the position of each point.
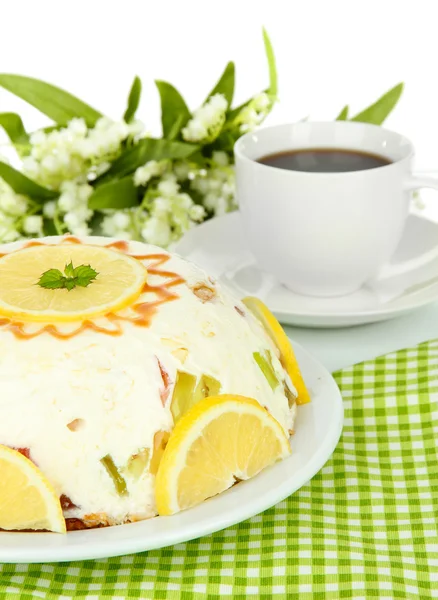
(118, 282)
(280, 339)
(219, 441)
(27, 499)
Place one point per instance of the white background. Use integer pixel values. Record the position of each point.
(329, 53)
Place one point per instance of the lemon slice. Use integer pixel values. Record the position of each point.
(27, 499)
(119, 282)
(280, 339)
(219, 441)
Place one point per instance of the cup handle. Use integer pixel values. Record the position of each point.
(412, 183)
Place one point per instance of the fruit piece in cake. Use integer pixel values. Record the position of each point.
(113, 472)
(160, 442)
(188, 391)
(280, 339)
(138, 463)
(221, 440)
(264, 361)
(207, 386)
(182, 394)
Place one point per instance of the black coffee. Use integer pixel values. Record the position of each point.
(324, 160)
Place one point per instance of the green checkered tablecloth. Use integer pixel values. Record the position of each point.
(364, 527)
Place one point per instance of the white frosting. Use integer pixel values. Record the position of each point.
(113, 383)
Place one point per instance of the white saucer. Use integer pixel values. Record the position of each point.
(317, 431)
(219, 247)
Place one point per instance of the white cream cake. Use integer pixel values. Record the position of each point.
(92, 402)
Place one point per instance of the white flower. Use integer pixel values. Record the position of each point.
(86, 148)
(83, 192)
(215, 185)
(141, 176)
(49, 209)
(161, 206)
(37, 138)
(168, 187)
(8, 230)
(195, 131)
(33, 224)
(77, 127)
(229, 189)
(72, 220)
(83, 213)
(156, 231)
(81, 230)
(207, 121)
(220, 158)
(121, 220)
(197, 213)
(184, 201)
(30, 167)
(262, 102)
(219, 102)
(73, 151)
(117, 224)
(66, 201)
(221, 206)
(12, 203)
(108, 226)
(74, 196)
(77, 221)
(136, 128)
(253, 114)
(201, 184)
(68, 187)
(125, 235)
(151, 169)
(50, 163)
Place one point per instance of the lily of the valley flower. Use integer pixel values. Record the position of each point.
(207, 121)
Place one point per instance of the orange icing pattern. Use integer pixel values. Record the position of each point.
(143, 311)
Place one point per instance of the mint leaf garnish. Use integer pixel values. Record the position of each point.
(51, 279)
(69, 270)
(80, 276)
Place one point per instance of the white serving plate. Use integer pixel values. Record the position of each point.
(219, 247)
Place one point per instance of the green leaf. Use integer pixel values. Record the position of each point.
(117, 194)
(49, 99)
(225, 85)
(133, 100)
(13, 125)
(83, 275)
(343, 115)
(69, 284)
(173, 109)
(69, 270)
(23, 185)
(144, 151)
(51, 279)
(377, 112)
(176, 127)
(273, 84)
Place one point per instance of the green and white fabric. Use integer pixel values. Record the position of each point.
(364, 527)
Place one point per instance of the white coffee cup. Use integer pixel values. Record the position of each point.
(326, 234)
